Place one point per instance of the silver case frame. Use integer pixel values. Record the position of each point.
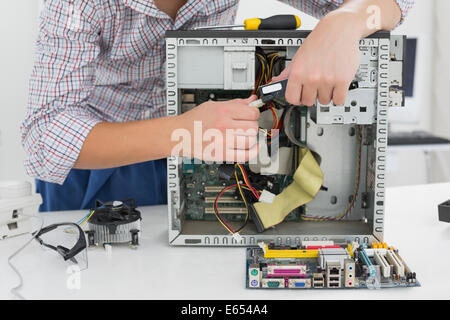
(174, 164)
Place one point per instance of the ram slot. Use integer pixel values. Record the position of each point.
(392, 258)
(290, 253)
(384, 265)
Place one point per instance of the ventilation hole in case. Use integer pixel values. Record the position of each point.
(351, 132)
(320, 131)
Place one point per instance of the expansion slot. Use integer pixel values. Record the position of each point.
(399, 268)
(228, 199)
(217, 189)
(371, 252)
(365, 258)
(227, 210)
(407, 269)
(384, 265)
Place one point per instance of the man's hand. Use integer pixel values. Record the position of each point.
(326, 63)
(221, 131)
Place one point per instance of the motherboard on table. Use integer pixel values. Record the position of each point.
(325, 265)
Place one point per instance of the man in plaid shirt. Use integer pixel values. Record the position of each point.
(95, 126)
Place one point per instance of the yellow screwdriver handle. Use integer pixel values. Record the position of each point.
(278, 22)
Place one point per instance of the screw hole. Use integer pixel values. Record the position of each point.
(333, 199)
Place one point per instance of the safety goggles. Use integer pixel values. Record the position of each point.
(68, 239)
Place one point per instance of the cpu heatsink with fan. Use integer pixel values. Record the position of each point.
(115, 222)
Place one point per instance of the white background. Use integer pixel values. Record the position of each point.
(18, 29)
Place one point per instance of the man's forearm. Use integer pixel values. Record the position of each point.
(117, 144)
(369, 16)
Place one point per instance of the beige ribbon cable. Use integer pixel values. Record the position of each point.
(308, 178)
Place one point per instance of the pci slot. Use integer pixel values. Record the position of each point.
(227, 210)
(228, 199)
(392, 258)
(384, 265)
(217, 189)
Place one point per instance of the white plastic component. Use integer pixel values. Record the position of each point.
(257, 103)
(263, 246)
(371, 252)
(14, 189)
(266, 197)
(239, 68)
(16, 206)
(384, 265)
(399, 268)
(108, 249)
(317, 243)
(272, 88)
(237, 237)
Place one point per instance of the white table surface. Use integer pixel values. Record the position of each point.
(157, 271)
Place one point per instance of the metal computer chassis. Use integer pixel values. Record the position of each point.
(225, 60)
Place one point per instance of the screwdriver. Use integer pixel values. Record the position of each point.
(277, 22)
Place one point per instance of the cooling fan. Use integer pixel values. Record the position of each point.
(114, 222)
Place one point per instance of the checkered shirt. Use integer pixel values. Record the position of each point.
(104, 60)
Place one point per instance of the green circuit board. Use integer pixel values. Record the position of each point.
(201, 181)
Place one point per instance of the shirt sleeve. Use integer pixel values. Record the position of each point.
(319, 8)
(58, 118)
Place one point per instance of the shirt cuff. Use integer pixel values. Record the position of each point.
(59, 146)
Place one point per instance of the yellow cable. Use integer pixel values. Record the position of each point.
(242, 195)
